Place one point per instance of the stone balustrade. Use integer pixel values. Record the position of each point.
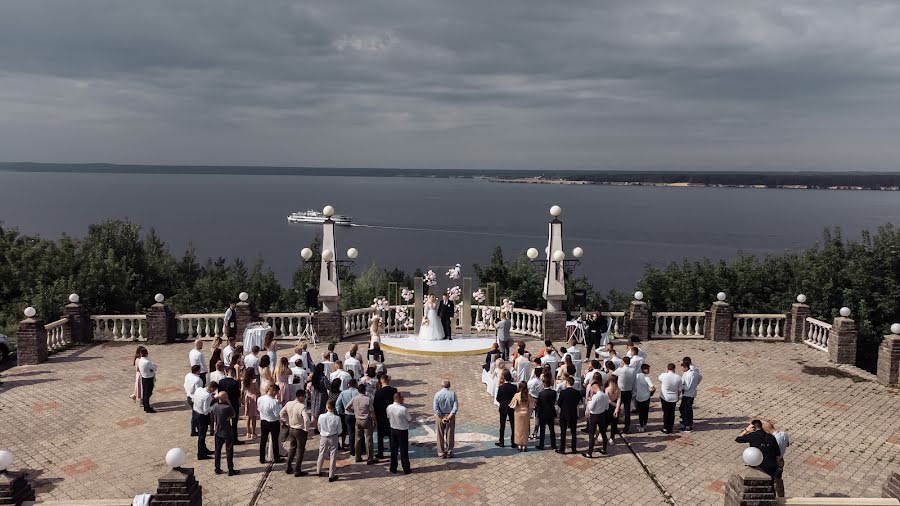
(817, 334)
(201, 325)
(675, 324)
(618, 323)
(286, 325)
(130, 327)
(56, 335)
(356, 321)
(760, 327)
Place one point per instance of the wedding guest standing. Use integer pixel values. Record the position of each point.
(271, 349)
(614, 395)
(296, 417)
(521, 405)
(203, 400)
(546, 412)
(669, 392)
(445, 409)
(195, 357)
(217, 372)
(215, 354)
(192, 383)
(340, 374)
(383, 398)
(399, 418)
(329, 427)
(252, 360)
(250, 398)
(148, 377)
(226, 435)
(643, 390)
(232, 388)
(230, 321)
(361, 407)
(568, 414)
(136, 396)
(266, 377)
(595, 410)
(535, 385)
(228, 351)
(282, 379)
(690, 379)
(503, 337)
(348, 420)
(625, 376)
(270, 418)
(375, 356)
(352, 363)
(505, 393)
(318, 390)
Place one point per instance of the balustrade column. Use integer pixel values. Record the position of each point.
(796, 323)
(244, 313)
(720, 320)
(637, 320)
(889, 358)
(465, 313)
(31, 339)
(842, 341)
(79, 328)
(161, 324)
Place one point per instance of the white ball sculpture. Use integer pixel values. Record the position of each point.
(577, 252)
(895, 328)
(175, 457)
(801, 298)
(845, 312)
(328, 211)
(352, 253)
(555, 211)
(720, 296)
(532, 253)
(547, 251)
(30, 312)
(638, 295)
(327, 255)
(559, 255)
(6, 459)
(243, 296)
(74, 298)
(159, 298)
(752, 456)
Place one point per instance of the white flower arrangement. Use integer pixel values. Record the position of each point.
(507, 305)
(408, 323)
(401, 313)
(453, 273)
(380, 304)
(407, 294)
(479, 296)
(430, 278)
(480, 326)
(486, 314)
(454, 293)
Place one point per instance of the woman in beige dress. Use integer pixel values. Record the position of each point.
(521, 406)
(375, 331)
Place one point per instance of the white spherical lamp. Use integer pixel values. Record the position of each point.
(327, 255)
(555, 211)
(352, 253)
(895, 328)
(328, 211)
(6, 459)
(559, 255)
(577, 252)
(532, 253)
(638, 295)
(30, 312)
(159, 298)
(306, 253)
(801, 298)
(547, 251)
(74, 298)
(243, 296)
(720, 296)
(752, 456)
(845, 312)
(175, 457)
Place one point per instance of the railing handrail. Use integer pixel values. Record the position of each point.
(199, 315)
(278, 315)
(818, 323)
(359, 311)
(614, 314)
(118, 316)
(57, 323)
(760, 315)
(679, 313)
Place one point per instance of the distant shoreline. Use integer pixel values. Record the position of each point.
(878, 181)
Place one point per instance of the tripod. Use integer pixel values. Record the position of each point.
(309, 333)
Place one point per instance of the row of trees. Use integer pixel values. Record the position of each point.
(116, 268)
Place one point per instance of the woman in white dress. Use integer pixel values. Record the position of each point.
(375, 331)
(431, 329)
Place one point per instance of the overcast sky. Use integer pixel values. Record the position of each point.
(717, 84)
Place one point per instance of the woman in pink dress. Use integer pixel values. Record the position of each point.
(249, 395)
(136, 396)
(282, 379)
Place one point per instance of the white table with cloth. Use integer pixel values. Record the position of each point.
(255, 336)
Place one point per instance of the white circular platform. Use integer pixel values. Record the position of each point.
(459, 345)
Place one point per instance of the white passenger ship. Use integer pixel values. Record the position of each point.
(317, 217)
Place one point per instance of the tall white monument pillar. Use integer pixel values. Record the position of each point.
(555, 280)
(330, 323)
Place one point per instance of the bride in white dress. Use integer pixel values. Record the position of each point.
(432, 330)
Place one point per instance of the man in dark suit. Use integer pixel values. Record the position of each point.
(222, 412)
(505, 393)
(592, 338)
(445, 313)
(546, 413)
(232, 389)
(568, 414)
(384, 397)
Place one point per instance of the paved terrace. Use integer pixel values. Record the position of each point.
(71, 422)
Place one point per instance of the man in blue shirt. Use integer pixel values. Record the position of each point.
(445, 408)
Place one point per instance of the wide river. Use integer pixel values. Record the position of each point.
(417, 222)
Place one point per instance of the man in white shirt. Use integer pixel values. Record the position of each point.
(218, 374)
(340, 373)
(595, 411)
(605, 353)
(690, 379)
(227, 352)
(592, 369)
(195, 357)
(147, 369)
(783, 442)
(637, 357)
(192, 383)
(300, 373)
(252, 360)
(329, 431)
(643, 390)
(535, 385)
(626, 375)
(669, 393)
(295, 415)
(270, 421)
(614, 358)
(399, 419)
(352, 364)
(203, 401)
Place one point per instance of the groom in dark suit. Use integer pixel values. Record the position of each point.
(445, 313)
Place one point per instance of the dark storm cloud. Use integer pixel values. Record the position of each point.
(427, 83)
